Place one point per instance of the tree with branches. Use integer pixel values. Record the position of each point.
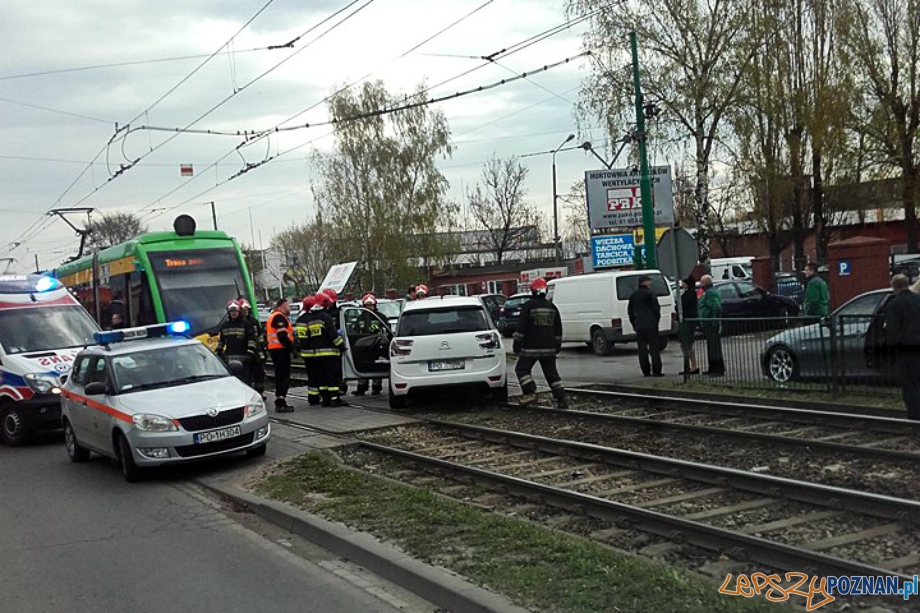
(114, 228)
(499, 206)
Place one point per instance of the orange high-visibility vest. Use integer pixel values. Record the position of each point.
(272, 333)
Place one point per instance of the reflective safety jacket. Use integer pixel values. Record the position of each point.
(315, 336)
(236, 338)
(280, 332)
(539, 331)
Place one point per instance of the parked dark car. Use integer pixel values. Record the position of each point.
(493, 302)
(857, 344)
(744, 300)
(509, 314)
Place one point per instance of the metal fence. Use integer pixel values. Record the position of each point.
(838, 354)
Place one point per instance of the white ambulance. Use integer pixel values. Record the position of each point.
(42, 327)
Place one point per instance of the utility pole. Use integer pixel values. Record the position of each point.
(645, 182)
(214, 214)
(37, 267)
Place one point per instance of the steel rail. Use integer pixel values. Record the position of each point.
(643, 422)
(877, 505)
(873, 423)
(738, 546)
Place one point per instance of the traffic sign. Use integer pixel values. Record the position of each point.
(844, 268)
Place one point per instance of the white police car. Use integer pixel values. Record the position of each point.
(149, 397)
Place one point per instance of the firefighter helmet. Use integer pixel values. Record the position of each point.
(333, 295)
(369, 299)
(538, 286)
(421, 289)
(233, 305)
(308, 302)
(323, 300)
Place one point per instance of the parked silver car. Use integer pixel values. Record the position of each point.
(853, 335)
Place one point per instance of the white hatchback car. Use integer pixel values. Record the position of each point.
(446, 342)
(153, 401)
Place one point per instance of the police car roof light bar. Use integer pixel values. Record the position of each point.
(174, 328)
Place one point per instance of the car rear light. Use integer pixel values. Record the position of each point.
(616, 323)
(488, 341)
(401, 386)
(400, 347)
(495, 379)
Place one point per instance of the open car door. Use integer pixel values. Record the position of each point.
(367, 336)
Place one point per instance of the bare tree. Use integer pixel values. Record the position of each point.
(882, 40)
(499, 206)
(694, 54)
(113, 228)
(305, 254)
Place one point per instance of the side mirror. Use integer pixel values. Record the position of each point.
(237, 368)
(95, 389)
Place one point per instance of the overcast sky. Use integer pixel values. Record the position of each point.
(56, 55)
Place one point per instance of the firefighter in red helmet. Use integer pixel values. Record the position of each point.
(371, 326)
(320, 345)
(538, 339)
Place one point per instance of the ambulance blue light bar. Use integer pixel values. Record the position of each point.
(174, 328)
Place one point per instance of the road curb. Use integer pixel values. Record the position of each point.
(439, 587)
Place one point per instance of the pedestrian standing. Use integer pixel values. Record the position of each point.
(689, 310)
(336, 314)
(410, 293)
(902, 321)
(709, 311)
(279, 334)
(539, 339)
(644, 314)
(816, 304)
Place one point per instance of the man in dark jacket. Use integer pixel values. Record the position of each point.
(645, 314)
(902, 321)
(321, 346)
(538, 339)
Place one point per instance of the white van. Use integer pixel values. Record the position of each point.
(722, 269)
(42, 327)
(593, 307)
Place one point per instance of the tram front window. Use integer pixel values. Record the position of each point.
(195, 286)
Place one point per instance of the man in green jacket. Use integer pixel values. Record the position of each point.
(710, 314)
(817, 299)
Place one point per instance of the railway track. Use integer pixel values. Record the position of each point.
(755, 519)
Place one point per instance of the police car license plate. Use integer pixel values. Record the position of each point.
(446, 365)
(217, 435)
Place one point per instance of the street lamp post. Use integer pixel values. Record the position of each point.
(556, 239)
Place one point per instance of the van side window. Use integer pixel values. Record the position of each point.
(626, 285)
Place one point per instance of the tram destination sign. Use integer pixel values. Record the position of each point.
(615, 199)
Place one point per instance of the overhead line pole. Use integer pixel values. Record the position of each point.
(645, 182)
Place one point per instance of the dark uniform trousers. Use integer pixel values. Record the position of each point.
(281, 360)
(713, 347)
(647, 340)
(909, 370)
(524, 367)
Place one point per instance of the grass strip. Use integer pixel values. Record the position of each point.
(538, 568)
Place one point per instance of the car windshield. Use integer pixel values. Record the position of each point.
(448, 320)
(33, 329)
(196, 285)
(390, 310)
(514, 303)
(166, 367)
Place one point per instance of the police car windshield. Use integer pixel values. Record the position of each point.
(166, 367)
(32, 329)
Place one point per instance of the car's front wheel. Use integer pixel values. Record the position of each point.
(12, 426)
(129, 468)
(782, 365)
(75, 451)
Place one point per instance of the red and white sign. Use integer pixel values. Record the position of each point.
(186, 170)
(624, 199)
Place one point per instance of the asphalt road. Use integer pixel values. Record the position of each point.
(78, 538)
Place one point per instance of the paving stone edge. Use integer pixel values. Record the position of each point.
(447, 591)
